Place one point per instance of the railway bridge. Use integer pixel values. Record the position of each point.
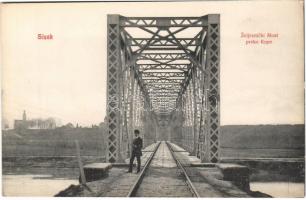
(163, 76)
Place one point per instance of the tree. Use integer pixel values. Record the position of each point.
(69, 125)
(4, 124)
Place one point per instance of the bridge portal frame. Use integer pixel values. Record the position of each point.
(128, 96)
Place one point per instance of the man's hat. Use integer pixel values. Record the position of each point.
(136, 132)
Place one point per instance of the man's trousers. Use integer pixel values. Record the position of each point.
(132, 160)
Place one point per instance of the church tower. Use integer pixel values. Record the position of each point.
(24, 116)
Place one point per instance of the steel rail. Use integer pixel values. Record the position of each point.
(135, 186)
(188, 181)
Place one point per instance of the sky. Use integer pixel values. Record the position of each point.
(65, 77)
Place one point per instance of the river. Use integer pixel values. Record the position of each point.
(279, 189)
(34, 185)
(47, 185)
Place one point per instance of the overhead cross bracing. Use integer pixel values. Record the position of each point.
(161, 70)
(164, 56)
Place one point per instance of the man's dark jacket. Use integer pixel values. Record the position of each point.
(137, 146)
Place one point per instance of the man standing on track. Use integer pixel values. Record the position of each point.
(136, 151)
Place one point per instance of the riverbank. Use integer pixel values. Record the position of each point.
(53, 174)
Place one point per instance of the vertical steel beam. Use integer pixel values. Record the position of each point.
(131, 111)
(190, 118)
(213, 70)
(195, 114)
(113, 88)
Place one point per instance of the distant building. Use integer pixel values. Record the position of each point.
(21, 124)
(34, 123)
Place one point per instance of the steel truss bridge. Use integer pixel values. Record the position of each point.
(163, 79)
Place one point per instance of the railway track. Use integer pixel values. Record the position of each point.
(151, 183)
(181, 167)
(138, 181)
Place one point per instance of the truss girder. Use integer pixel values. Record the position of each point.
(164, 42)
(146, 67)
(163, 81)
(163, 22)
(163, 56)
(163, 74)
